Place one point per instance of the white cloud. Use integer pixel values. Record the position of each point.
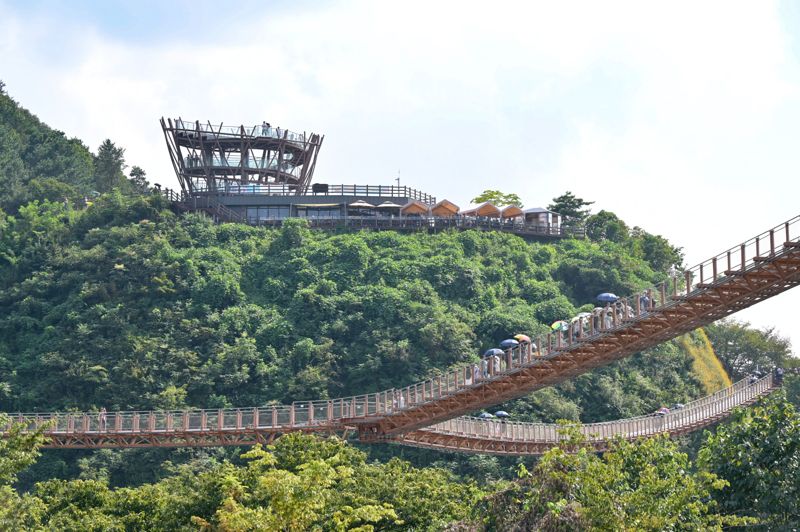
(680, 117)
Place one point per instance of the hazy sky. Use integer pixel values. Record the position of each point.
(681, 117)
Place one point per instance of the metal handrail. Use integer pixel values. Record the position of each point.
(280, 189)
(325, 415)
(237, 131)
(692, 413)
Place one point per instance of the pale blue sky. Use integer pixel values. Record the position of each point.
(683, 118)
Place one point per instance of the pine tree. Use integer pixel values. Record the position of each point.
(109, 163)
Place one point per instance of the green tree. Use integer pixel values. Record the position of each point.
(606, 225)
(19, 448)
(742, 348)
(497, 198)
(139, 180)
(646, 485)
(109, 164)
(571, 206)
(758, 454)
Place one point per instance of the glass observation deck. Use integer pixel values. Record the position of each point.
(207, 156)
(191, 129)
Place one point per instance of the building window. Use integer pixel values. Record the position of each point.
(273, 212)
(319, 212)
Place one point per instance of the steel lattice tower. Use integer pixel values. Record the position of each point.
(211, 158)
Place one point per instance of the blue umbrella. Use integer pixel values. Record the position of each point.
(502, 413)
(607, 297)
(492, 352)
(486, 415)
(508, 344)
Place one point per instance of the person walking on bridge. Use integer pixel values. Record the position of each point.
(101, 419)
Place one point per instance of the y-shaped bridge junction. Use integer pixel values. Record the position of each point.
(423, 414)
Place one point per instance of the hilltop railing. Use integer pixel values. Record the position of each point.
(431, 223)
(280, 189)
(189, 127)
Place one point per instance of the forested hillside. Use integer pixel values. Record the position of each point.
(117, 302)
(37, 162)
(124, 305)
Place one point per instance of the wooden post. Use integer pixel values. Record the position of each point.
(771, 243)
(238, 419)
(274, 417)
(701, 274)
(758, 246)
(744, 259)
(786, 225)
(310, 412)
(255, 417)
(688, 282)
(714, 268)
(291, 415)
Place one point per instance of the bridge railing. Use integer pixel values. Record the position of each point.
(601, 322)
(324, 416)
(742, 257)
(189, 127)
(693, 413)
(389, 402)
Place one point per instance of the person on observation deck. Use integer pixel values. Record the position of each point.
(779, 376)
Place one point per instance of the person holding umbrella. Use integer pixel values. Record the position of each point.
(607, 297)
(525, 341)
(507, 346)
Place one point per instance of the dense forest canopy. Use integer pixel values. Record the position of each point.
(109, 299)
(37, 162)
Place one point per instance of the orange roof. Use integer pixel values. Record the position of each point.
(484, 209)
(512, 211)
(414, 207)
(444, 208)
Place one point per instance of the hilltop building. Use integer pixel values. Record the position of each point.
(262, 175)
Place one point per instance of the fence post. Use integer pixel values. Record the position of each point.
(771, 243)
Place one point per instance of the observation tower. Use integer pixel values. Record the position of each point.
(210, 158)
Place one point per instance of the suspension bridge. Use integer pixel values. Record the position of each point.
(427, 414)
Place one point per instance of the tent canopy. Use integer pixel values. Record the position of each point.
(444, 208)
(362, 205)
(512, 211)
(484, 209)
(414, 207)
